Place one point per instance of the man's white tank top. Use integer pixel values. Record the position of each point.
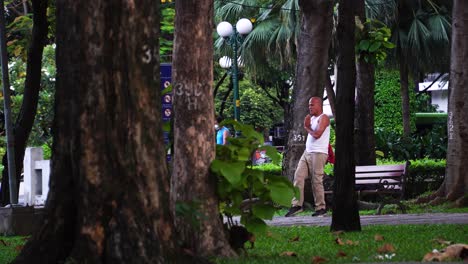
(320, 144)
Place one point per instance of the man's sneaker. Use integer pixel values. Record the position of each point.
(294, 211)
(319, 212)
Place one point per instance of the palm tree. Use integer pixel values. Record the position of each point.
(421, 32)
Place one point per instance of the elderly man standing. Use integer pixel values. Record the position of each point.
(312, 162)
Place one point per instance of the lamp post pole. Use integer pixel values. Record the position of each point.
(234, 35)
(235, 76)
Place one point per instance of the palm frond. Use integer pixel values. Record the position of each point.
(418, 37)
(440, 28)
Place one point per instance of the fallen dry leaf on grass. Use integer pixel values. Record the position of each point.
(352, 243)
(378, 237)
(452, 252)
(341, 254)
(289, 254)
(442, 241)
(318, 260)
(3, 242)
(337, 233)
(339, 241)
(386, 248)
(295, 239)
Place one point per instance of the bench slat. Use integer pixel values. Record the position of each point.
(379, 175)
(380, 168)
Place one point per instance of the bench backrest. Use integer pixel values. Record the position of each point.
(391, 176)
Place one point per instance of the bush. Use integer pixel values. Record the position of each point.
(388, 114)
(424, 175)
(430, 143)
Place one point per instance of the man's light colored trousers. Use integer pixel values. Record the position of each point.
(311, 164)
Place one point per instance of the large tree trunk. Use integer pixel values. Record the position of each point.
(312, 60)
(455, 185)
(194, 139)
(365, 86)
(108, 199)
(405, 104)
(25, 119)
(345, 208)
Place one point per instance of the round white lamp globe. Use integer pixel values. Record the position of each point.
(225, 62)
(224, 29)
(244, 26)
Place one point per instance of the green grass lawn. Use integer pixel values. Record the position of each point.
(410, 243)
(10, 247)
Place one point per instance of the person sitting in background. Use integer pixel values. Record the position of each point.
(222, 133)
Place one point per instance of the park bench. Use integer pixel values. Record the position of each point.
(386, 182)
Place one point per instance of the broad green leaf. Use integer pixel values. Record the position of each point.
(388, 45)
(254, 225)
(244, 154)
(281, 193)
(375, 46)
(263, 211)
(364, 44)
(232, 171)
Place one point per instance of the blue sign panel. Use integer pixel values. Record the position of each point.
(166, 99)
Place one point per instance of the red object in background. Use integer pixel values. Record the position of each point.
(331, 155)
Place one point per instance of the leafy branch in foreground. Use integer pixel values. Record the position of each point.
(244, 190)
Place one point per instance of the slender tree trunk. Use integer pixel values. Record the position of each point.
(108, 200)
(330, 93)
(345, 208)
(455, 185)
(312, 61)
(25, 120)
(365, 86)
(194, 142)
(405, 104)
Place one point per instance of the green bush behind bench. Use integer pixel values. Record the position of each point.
(423, 174)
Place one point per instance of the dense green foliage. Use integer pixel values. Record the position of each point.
(246, 191)
(429, 141)
(388, 116)
(310, 244)
(373, 41)
(256, 108)
(167, 32)
(40, 133)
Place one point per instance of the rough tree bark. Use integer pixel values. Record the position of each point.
(25, 120)
(108, 200)
(345, 208)
(455, 185)
(365, 86)
(405, 103)
(312, 62)
(194, 140)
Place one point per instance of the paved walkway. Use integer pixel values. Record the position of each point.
(399, 219)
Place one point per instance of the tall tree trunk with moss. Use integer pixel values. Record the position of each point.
(405, 101)
(455, 185)
(345, 208)
(109, 186)
(193, 185)
(312, 62)
(365, 86)
(25, 120)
